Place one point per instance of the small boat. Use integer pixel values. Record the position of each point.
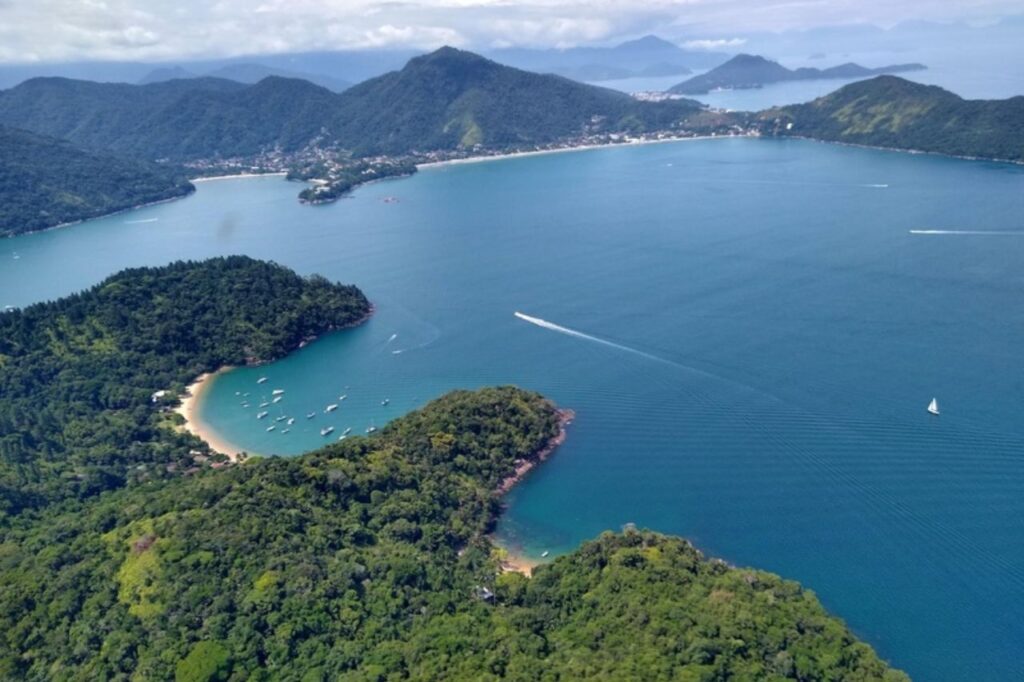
(245, 395)
(347, 431)
(261, 380)
(385, 402)
(271, 428)
(544, 554)
(342, 397)
(371, 429)
(261, 415)
(342, 437)
(238, 393)
(245, 404)
(277, 399)
(281, 418)
(277, 391)
(933, 407)
(331, 408)
(326, 430)
(310, 415)
(291, 420)
(284, 431)
(264, 404)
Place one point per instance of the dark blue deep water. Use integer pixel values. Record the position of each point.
(774, 333)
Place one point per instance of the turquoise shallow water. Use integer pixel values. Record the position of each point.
(779, 335)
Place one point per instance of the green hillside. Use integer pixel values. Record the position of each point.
(46, 182)
(451, 98)
(892, 112)
(76, 415)
(445, 100)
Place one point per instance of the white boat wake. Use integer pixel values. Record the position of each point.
(982, 232)
(604, 342)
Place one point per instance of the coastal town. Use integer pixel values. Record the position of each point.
(332, 171)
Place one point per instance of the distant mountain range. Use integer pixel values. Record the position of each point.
(648, 56)
(249, 73)
(445, 100)
(892, 112)
(751, 71)
(47, 182)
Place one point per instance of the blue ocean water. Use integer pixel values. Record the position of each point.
(766, 334)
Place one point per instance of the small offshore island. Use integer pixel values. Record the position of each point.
(367, 558)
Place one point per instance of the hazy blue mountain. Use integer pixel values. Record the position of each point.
(167, 73)
(888, 111)
(752, 71)
(254, 73)
(249, 73)
(647, 56)
(46, 182)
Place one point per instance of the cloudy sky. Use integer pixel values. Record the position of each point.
(57, 30)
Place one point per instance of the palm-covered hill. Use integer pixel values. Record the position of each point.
(444, 100)
(892, 112)
(46, 182)
(366, 560)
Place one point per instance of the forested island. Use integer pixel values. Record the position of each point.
(895, 113)
(366, 560)
(47, 182)
(746, 71)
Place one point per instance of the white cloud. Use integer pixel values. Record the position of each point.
(714, 44)
(154, 29)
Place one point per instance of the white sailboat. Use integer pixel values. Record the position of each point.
(933, 407)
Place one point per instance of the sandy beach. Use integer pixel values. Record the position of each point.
(189, 410)
(515, 563)
(580, 148)
(236, 176)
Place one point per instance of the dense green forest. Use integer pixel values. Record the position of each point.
(46, 182)
(445, 100)
(367, 560)
(77, 375)
(177, 120)
(752, 71)
(892, 112)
